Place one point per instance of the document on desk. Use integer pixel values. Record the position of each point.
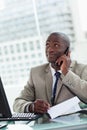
(69, 106)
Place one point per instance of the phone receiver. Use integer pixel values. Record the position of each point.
(65, 52)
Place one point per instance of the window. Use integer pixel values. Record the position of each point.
(23, 30)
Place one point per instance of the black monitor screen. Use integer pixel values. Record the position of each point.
(4, 106)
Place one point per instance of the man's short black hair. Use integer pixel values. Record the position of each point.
(64, 37)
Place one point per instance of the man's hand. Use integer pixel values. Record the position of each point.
(64, 63)
(40, 106)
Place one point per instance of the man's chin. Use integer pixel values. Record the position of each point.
(52, 62)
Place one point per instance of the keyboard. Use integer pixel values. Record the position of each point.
(21, 117)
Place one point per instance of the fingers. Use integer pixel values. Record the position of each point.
(64, 63)
(41, 106)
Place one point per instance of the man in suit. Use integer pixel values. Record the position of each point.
(37, 94)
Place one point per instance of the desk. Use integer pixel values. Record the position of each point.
(70, 122)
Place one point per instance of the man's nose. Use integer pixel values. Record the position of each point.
(51, 49)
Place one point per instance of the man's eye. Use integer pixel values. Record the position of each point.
(56, 45)
(47, 45)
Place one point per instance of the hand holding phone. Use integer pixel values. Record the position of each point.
(66, 53)
(63, 62)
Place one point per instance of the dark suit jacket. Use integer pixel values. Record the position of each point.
(39, 86)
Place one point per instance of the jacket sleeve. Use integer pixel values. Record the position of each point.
(26, 96)
(77, 82)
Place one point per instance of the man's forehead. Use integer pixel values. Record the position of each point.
(54, 38)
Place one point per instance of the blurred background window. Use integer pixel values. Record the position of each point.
(24, 27)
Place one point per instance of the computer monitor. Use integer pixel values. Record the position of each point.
(4, 106)
(5, 112)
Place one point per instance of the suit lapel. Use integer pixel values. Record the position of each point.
(48, 81)
(48, 84)
(59, 86)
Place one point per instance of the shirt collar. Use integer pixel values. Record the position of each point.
(53, 70)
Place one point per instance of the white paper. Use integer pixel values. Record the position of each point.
(66, 107)
(73, 109)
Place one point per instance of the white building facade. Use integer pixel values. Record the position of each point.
(23, 24)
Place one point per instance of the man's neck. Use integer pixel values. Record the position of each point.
(56, 67)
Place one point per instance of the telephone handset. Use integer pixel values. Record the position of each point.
(65, 52)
